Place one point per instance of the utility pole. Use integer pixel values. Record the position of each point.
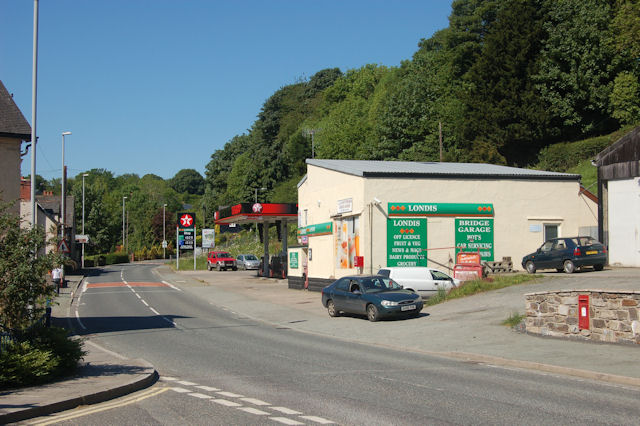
(440, 131)
(311, 132)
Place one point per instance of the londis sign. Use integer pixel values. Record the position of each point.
(319, 229)
(440, 209)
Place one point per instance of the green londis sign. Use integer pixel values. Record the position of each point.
(440, 209)
(293, 260)
(473, 235)
(406, 240)
(319, 229)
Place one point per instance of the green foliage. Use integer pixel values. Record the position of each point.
(513, 320)
(189, 181)
(23, 285)
(469, 288)
(42, 355)
(625, 98)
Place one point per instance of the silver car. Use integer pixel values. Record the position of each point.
(247, 261)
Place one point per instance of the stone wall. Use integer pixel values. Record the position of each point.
(613, 315)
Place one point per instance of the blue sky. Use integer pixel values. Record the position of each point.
(158, 86)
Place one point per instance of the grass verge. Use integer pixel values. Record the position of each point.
(469, 288)
(513, 319)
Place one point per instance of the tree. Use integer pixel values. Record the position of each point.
(23, 285)
(189, 181)
(625, 98)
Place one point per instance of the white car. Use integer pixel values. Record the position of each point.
(247, 261)
(420, 279)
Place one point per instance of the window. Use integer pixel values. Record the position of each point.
(347, 241)
(550, 231)
(437, 275)
(343, 285)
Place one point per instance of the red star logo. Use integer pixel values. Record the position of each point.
(186, 220)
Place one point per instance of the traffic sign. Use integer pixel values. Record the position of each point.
(63, 247)
(164, 244)
(186, 220)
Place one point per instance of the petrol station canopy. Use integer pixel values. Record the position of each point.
(257, 213)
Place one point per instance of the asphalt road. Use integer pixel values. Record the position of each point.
(218, 367)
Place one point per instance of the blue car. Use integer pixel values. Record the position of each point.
(567, 254)
(375, 296)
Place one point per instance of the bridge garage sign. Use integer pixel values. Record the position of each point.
(475, 235)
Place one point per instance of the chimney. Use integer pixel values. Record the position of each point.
(25, 189)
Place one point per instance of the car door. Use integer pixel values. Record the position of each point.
(542, 258)
(559, 252)
(355, 303)
(339, 294)
(441, 280)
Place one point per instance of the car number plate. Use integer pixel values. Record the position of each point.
(592, 252)
(408, 308)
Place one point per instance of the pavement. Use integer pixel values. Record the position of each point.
(469, 329)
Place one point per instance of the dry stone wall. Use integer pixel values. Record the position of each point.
(613, 315)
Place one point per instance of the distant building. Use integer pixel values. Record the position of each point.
(619, 206)
(14, 129)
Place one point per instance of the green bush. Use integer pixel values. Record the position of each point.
(42, 355)
(118, 257)
(562, 156)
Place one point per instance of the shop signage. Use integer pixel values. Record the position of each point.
(406, 242)
(475, 235)
(440, 209)
(314, 230)
(293, 260)
(186, 220)
(345, 206)
(208, 238)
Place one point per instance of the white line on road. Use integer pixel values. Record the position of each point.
(79, 320)
(230, 394)
(317, 420)
(208, 388)
(255, 411)
(185, 383)
(254, 401)
(180, 390)
(226, 403)
(285, 421)
(285, 410)
(168, 379)
(154, 311)
(138, 296)
(171, 285)
(200, 395)
(146, 304)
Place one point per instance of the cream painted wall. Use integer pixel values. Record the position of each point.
(518, 204)
(10, 171)
(624, 222)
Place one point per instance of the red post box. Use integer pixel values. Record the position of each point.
(583, 312)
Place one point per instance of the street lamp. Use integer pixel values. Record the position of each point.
(84, 175)
(63, 188)
(123, 198)
(164, 239)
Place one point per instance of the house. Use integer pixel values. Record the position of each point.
(619, 206)
(14, 129)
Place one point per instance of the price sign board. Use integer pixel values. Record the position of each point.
(406, 242)
(186, 239)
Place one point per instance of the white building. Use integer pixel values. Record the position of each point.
(394, 213)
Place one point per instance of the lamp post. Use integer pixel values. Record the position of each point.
(84, 175)
(256, 202)
(123, 198)
(164, 239)
(62, 200)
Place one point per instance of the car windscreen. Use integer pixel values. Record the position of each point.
(384, 272)
(224, 254)
(377, 284)
(250, 257)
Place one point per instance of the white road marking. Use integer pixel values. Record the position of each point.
(185, 383)
(171, 285)
(317, 420)
(168, 379)
(138, 296)
(79, 320)
(180, 390)
(255, 411)
(230, 394)
(154, 311)
(285, 410)
(226, 403)
(285, 421)
(115, 354)
(208, 388)
(146, 304)
(200, 395)
(254, 401)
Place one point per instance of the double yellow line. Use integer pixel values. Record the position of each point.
(88, 410)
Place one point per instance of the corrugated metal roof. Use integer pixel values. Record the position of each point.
(434, 169)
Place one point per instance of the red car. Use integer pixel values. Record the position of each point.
(221, 260)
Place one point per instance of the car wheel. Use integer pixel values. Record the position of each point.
(598, 267)
(569, 267)
(218, 268)
(208, 266)
(235, 268)
(559, 269)
(530, 267)
(331, 309)
(372, 313)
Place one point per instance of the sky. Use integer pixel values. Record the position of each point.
(158, 86)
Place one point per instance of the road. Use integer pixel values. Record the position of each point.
(219, 367)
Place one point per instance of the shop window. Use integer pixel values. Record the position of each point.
(347, 241)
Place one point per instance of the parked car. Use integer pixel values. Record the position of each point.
(247, 261)
(375, 296)
(420, 279)
(567, 254)
(221, 260)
